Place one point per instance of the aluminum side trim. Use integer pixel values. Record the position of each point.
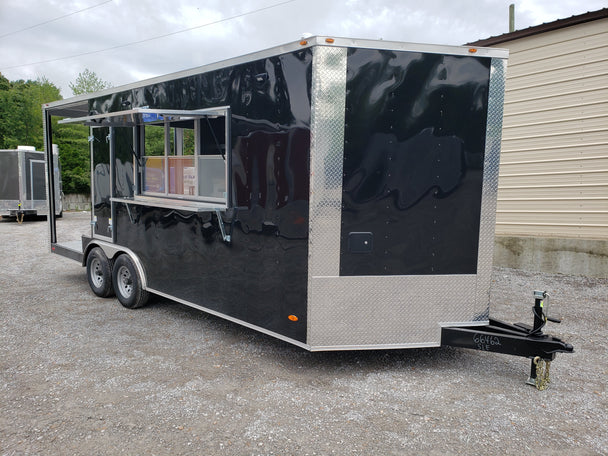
(328, 100)
(460, 324)
(318, 348)
(489, 193)
(416, 47)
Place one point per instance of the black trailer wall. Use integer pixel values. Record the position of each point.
(413, 163)
(261, 277)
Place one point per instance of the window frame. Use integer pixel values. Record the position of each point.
(137, 118)
(165, 119)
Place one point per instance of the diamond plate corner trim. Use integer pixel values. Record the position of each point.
(490, 182)
(328, 101)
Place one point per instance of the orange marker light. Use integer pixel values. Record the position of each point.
(303, 42)
(472, 50)
(329, 40)
(293, 318)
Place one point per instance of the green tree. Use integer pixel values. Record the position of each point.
(87, 82)
(4, 83)
(5, 86)
(20, 111)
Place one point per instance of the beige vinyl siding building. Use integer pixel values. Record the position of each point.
(552, 211)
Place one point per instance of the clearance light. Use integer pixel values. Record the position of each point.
(303, 42)
(293, 318)
(472, 50)
(329, 40)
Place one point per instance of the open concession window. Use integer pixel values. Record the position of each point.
(179, 154)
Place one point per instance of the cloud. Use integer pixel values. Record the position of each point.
(124, 21)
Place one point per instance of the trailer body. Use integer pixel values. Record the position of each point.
(335, 193)
(23, 182)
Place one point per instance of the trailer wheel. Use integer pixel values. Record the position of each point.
(127, 283)
(99, 273)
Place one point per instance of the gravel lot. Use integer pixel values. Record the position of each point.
(82, 375)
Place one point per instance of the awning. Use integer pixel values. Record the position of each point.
(144, 116)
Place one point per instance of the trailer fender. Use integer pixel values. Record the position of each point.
(112, 251)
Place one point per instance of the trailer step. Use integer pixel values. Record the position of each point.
(72, 250)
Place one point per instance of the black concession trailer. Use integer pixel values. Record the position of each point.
(337, 194)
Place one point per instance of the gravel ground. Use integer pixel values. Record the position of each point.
(83, 375)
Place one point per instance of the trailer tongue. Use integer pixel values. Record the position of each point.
(514, 339)
(336, 194)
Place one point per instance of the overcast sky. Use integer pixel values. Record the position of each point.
(58, 39)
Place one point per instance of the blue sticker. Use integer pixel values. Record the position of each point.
(151, 117)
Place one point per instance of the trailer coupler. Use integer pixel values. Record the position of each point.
(516, 339)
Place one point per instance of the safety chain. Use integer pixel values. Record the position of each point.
(542, 373)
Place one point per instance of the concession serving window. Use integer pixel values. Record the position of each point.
(178, 155)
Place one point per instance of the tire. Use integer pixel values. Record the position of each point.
(127, 283)
(99, 273)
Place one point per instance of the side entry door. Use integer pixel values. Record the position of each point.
(110, 145)
(101, 188)
(122, 153)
